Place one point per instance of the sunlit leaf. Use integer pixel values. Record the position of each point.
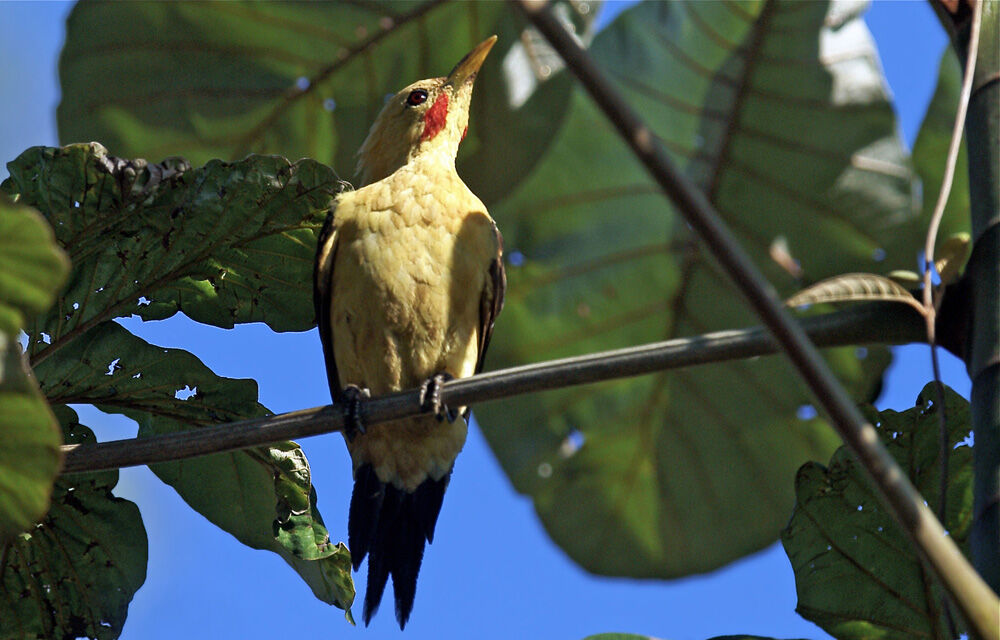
(263, 496)
(854, 287)
(778, 111)
(32, 269)
(951, 256)
(74, 574)
(856, 573)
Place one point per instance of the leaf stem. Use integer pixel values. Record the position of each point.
(972, 594)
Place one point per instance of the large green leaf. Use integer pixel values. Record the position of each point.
(222, 79)
(931, 149)
(74, 574)
(856, 573)
(778, 111)
(263, 496)
(225, 243)
(32, 268)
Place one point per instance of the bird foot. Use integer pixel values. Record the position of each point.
(352, 396)
(430, 397)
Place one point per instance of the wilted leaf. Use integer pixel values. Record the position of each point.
(854, 287)
(263, 496)
(74, 574)
(778, 111)
(222, 79)
(226, 243)
(856, 572)
(951, 256)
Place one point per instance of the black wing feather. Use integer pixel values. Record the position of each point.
(491, 302)
(326, 253)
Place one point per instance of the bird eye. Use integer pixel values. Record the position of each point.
(417, 96)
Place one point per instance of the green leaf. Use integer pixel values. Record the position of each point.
(29, 444)
(856, 573)
(226, 243)
(32, 267)
(74, 574)
(681, 472)
(931, 148)
(262, 496)
(223, 79)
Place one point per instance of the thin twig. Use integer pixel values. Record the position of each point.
(975, 598)
(931, 295)
(875, 323)
(931, 298)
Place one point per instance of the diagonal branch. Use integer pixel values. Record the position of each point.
(873, 323)
(975, 598)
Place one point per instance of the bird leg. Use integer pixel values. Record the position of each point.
(352, 396)
(430, 397)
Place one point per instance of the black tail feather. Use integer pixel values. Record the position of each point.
(366, 504)
(391, 526)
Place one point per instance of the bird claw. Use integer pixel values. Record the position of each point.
(352, 396)
(430, 397)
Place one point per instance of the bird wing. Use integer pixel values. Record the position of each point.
(491, 301)
(326, 252)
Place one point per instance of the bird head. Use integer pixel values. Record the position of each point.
(429, 116)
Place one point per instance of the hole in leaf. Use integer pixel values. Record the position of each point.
(516, 258)
(878, 255)
(861, 353)
(302, 83)
(329, 104)
(806, 412)
(185, 393)
(571, 443)
(545, 470)
(113, 367)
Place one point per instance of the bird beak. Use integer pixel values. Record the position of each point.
(466, 69)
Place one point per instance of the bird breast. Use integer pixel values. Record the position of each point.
(411, 266)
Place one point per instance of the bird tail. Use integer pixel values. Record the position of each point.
(390, 526)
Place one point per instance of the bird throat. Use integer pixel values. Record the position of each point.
(436, 117)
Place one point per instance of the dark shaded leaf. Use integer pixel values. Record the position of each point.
(74, 574)
(263, 496)
(856, 572)
(778, 111)
(226, 243)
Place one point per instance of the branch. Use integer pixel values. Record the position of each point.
(975, 598)
(874, 323)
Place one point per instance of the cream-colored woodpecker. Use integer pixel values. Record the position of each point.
(408, 283)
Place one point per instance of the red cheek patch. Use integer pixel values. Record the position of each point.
(436, 117)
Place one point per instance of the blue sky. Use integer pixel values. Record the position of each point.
(491, 571)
